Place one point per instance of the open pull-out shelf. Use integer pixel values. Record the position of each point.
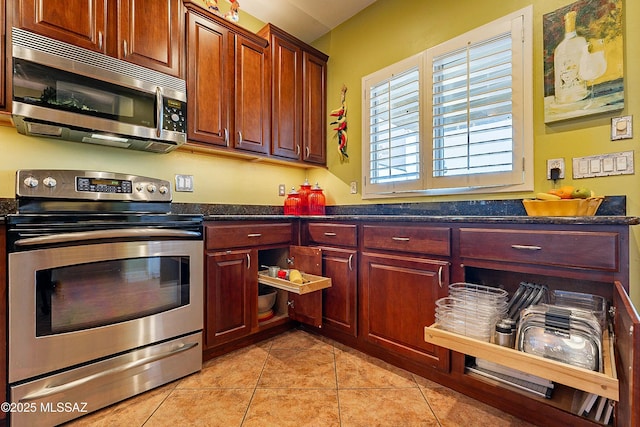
(311, 283)
(600, 383)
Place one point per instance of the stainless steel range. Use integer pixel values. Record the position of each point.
(105, 292)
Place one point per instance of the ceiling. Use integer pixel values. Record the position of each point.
(305, 19)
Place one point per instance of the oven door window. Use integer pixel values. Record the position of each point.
(77, 297)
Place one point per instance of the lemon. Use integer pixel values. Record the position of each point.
(295, 277)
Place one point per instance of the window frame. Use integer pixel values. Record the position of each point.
(520, 24)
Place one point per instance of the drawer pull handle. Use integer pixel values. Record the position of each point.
(248, 262)
(401, 239)
(350, 264)
(328, 234)
(440, 277)
(254, 235)
(527, 247)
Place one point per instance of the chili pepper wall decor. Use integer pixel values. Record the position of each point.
(340, 120)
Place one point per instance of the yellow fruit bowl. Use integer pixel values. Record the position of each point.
(564, 207)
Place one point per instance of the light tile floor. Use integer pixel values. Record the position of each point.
(298, 379)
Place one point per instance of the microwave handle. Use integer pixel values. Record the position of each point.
(159, 115)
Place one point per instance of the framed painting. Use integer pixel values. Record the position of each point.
(583, 60)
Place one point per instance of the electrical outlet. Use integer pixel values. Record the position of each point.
(281, 190)
(353, 187)
(555, 163)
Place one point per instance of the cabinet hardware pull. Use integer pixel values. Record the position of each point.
(297, 149)
(100, 40)
(226, 137)
(401, 239)
(440, 276)
(248, 261)
(291, 304)
(239, 136)
(254, 235)
(350, 264)
(307, 152)
(527, 247)
(329, 234)
(124, 48)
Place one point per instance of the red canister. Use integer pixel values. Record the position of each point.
(317, 201)
(304, 191)
(292, 204)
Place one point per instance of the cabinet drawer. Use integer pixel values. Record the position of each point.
(574, 249)
(429, 240)
(247, 235)
(333, 234)
(601, 383)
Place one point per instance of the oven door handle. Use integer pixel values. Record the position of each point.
(57, 389)
(106, 234)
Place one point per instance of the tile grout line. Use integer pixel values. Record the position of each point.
(335, 371)
(255, 388)
(424, 396)
(162, 402)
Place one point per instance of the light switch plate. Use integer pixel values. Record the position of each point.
(603, 165)
(621, 128)
(184, 183)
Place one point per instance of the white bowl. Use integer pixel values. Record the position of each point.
(266, 301)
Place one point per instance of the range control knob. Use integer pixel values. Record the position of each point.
(31, 182)
(163, 189)
(139, 187)
(49, 182)
(151, 188)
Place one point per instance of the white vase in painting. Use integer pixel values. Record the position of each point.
(569, 86)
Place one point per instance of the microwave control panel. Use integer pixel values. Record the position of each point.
(174, 115)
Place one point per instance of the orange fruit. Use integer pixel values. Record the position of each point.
(563, 192)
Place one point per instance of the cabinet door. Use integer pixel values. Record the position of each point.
(314, 109)
(286, 60)
(231, 295)
(627, 333)
(209, 81)
(306, 308)
(252, 100)
(398, 300)
(149, 34)
(79, 22)
(339, 304)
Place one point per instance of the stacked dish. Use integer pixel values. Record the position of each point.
(471, 310)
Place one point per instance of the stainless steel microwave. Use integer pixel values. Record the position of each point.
(70, 93)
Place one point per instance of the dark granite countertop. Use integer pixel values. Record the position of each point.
(564, 220)
(611, 212)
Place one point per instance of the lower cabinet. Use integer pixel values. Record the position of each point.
(231, 296)
(234, 255)
(339, 303)
(398, 297)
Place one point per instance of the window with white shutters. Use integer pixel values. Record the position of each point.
(461, 122)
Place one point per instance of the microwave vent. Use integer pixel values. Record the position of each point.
(26, 40)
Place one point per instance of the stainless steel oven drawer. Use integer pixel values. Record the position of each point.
(58, 398)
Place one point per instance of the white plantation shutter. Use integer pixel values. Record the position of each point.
(392, 130)
(475, 83)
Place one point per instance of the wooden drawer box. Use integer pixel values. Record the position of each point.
(247, 235)
(333, 234)
(428, 240)
(573, 249)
